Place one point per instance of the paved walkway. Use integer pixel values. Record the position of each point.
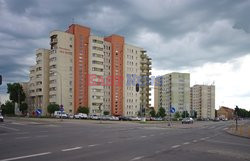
(243, 129)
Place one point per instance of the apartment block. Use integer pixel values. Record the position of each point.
(173, 90)
(38, 86)
(203, 101)
(86, 70)
(61, 70)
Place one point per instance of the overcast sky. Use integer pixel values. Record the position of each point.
(209, 39)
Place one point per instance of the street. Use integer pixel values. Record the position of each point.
(79, 140)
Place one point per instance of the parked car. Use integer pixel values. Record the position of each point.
(94, 117)
(135, 118)
(216, 119)
(114, 118)
(81, 116)
(124, 118)
(187, 120)
(1, 118)
(70, 116)
(60, 114)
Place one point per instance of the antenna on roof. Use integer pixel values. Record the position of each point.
(73, 20)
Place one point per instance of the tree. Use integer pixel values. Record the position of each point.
(16, 92)
(185, 114)
(83, 110)
(152, 112)
(161, 112)
(106, 112)
(8, 108)
(52, 108)
(177, 115)
(24, 107)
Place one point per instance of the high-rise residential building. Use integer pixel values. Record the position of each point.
(92, 71)
(203, 101)
(38, 85)
(61, 70)
(173, 90)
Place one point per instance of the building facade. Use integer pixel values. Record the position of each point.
(203, 101)
(61, 70)
(85, 70)
(173, 90)
(225, 113)
(38, 85)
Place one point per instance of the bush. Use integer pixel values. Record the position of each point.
(83, 110)
(52, 108)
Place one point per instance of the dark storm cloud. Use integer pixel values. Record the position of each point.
(178, 34)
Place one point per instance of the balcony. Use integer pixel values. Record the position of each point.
(143, 55)
(144, 61)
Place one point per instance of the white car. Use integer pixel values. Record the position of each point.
(60, 114)
(135, 118)
(81, 116)
(1, 117)
(113, 118)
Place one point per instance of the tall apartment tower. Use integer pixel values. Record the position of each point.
(38, 86)
(145, 73)
(81, 36)
(203, 101)
(91, 71)
(61, 70)
(173, 90)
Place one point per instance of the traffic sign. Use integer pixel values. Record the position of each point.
(61, 108)
(172, 110)
(39, 112)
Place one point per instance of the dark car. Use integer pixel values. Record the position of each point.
(187, 121)
(124, 118)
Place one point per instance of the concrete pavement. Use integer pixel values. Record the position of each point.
(119, 141)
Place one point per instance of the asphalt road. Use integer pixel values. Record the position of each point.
(119, 141)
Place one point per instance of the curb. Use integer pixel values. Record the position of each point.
(233, 134)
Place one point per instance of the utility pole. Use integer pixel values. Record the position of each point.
(236, 117)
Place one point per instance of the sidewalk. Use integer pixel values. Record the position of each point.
(242, 131)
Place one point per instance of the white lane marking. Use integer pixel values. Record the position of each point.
(10, 128)
(194, 141)
(225, 128)
(24, 137)
(70, 149)
(157, 152)
(186, 143)
(152, 135)
(207, 137)
(203, 139)
(110, 142)
(137, 158)
(92, 145)
(41, 136)
(143, 136)
(43, 131)
(16, 123)
(3, 134)
(21, 133)
(26, 156)
(175, 146)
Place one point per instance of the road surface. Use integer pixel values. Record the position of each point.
(118, 141)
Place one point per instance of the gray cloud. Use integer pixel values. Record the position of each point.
(177, 34)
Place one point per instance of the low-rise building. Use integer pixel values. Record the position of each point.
(225, 112)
